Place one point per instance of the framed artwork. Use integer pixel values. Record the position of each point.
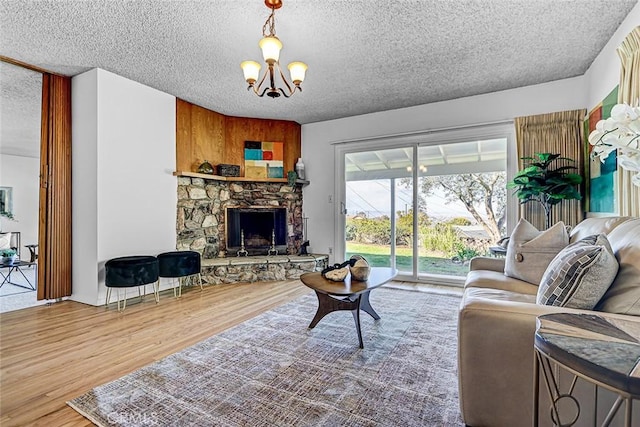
(263, 159)
(600, 185)
(6, 200)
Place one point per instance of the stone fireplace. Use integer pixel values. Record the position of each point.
(211, 213)
(207, 207)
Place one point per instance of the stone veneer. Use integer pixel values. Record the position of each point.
(257, 269)
(202, 204)
(200, 227)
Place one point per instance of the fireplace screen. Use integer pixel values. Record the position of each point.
(259, 226)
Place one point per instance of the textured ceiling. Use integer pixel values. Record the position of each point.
(363, 56)
(20, 109)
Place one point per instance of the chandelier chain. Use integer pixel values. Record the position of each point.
(271, 22)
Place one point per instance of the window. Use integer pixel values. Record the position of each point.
(430, 219)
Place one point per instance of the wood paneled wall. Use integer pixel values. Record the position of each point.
(54, 240)
(203, 134)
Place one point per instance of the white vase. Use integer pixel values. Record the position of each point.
(300, 168)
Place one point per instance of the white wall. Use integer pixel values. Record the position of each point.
(21, 173)
(604, 73)
(84, 194)
(317, 138)
(124, 194)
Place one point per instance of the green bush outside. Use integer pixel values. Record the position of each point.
(439, 243)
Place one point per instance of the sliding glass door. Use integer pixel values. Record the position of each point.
(426, 208)
(379, 207)
(462, 192)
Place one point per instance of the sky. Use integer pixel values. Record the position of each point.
(373, 197)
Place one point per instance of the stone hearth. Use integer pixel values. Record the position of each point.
(258, 269)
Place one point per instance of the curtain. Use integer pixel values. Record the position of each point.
(559, 133)
(629, 93)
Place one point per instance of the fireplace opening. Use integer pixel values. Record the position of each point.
(258, 225)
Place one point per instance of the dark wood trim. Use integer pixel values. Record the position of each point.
(27, 66)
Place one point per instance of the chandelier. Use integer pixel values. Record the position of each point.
(271, 45)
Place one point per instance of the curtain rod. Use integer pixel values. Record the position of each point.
(424, 132)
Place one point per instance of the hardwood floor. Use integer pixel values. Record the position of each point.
(51, 354)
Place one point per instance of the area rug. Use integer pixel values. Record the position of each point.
(274, 371)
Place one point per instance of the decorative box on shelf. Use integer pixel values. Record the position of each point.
(228, 170)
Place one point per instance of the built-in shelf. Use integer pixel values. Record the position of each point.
(235, 178)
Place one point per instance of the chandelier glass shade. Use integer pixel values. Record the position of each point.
(271, 47)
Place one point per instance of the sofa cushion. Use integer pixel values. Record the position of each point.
(592, 226)
(498, 280)
(530, 251)
(623, 296)
(579, 275)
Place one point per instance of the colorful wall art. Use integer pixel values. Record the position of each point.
(263, 159)
(602, 177)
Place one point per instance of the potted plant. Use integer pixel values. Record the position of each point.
(8, 256)
(540, 181)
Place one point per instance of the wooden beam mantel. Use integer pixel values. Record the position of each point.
(234, 178)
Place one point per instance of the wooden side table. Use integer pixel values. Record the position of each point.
(602, 351)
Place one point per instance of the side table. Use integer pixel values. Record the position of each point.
(602, 351)
(17, 267)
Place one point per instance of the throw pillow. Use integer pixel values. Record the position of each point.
(579, 275)
(5, 241)
(530, 251)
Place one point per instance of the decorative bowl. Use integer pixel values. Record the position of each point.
(360, 269)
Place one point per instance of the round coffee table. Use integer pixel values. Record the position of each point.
(349, 295)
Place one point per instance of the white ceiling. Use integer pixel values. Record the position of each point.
(363, 56)
(20, 111)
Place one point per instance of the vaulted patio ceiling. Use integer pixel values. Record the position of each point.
(433, 160)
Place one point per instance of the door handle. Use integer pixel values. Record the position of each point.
(343, 208)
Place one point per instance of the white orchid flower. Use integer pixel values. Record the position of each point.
(620, 133)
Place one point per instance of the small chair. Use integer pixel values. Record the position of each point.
(130, 271)
(501, 248)
(33, 252)
(180, 264)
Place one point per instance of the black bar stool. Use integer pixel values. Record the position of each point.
(131, 271)
(180, 264)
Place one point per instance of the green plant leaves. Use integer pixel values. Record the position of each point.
(540, 182)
